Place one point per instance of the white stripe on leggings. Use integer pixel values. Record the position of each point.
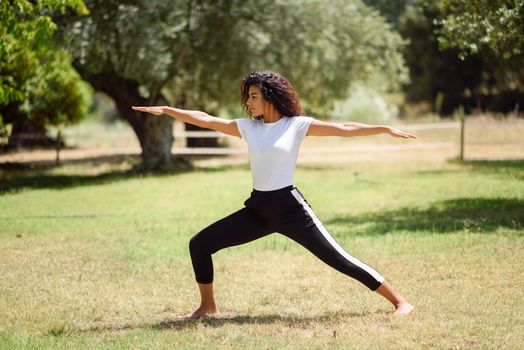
(332, 241)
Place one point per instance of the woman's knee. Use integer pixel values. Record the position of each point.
(201, 243)
(195, 243)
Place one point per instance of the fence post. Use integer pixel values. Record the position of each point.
(58, 145)
(462, 128)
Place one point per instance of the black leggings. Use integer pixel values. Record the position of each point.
(285, 211)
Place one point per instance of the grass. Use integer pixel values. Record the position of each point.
(101, 261)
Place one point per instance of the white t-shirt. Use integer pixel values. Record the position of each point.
(273, 149)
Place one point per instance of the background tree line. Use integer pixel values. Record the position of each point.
(192, 53)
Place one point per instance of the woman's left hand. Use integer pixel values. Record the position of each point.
(399, 133)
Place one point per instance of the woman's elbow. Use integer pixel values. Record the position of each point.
(346, 131)
(204, 119)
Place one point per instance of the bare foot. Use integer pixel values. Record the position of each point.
(203, 311)
(403, 308)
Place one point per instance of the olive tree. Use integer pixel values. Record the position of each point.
(157, 52)
(471, 25)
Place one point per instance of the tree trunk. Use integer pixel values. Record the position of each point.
(155, 133)
(28, 135)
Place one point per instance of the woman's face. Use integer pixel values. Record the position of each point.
(256, 105)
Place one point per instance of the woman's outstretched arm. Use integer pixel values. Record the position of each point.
(320, 128)
(197, 118)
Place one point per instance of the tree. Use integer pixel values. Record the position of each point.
(392, 10)
(471, 25)
(480, 80)
(38, 86)
(146, 52)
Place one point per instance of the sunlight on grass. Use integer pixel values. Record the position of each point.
(101, 261)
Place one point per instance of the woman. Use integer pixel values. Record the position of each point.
(273, 137)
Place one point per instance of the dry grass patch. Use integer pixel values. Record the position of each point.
(104, 263)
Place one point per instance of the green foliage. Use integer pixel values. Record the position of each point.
(197, 51)
(37, 81)
(442, 78)
(470, 25)
(392, 10)
(56, 94)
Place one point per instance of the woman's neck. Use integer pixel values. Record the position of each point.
(271, 117)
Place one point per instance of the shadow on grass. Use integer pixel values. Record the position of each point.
(16, 177)
(288, 320)
(49, 181)
(181, 323)
(469, 214)
(496, 165)
(512, 168)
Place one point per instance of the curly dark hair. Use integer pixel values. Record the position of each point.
(275, 89)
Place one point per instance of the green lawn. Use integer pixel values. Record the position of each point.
(102, 261)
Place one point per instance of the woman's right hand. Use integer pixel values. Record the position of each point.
(156, 110)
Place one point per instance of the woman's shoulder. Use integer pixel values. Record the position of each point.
(246, 124)
(245, 121)
(302, 119)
